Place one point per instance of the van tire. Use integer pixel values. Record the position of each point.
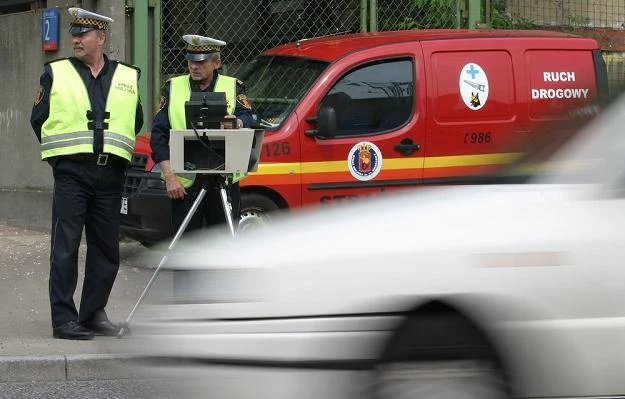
(255, 210)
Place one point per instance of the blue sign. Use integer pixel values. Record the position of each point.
(50, 29)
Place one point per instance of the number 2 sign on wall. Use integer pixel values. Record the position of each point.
(50, 29)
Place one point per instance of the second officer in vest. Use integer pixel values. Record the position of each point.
(86, 114)
(203, 56)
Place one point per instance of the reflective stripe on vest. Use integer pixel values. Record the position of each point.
(66, 131)
(179, 93)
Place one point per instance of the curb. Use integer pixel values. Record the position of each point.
(70, 368)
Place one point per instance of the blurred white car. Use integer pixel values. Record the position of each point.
(489, 291)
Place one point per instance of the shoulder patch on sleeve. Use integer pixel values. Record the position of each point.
(39, 95)
(162, 103)
(239, 82)
(242, 99)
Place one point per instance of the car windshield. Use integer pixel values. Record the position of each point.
(274, 85)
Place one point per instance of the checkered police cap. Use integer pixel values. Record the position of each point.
(200, 47)
(84, 21)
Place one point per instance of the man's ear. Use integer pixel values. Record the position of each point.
(102, 36)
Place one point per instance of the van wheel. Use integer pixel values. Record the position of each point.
(439, 354)
(255, 210)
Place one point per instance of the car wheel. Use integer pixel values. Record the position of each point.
(255, 211)
(439, 353)
(442, 379)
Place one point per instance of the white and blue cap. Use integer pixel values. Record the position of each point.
(200, 47)
(84, 21)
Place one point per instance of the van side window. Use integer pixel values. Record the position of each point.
(373, 98)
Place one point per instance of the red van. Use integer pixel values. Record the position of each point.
(351, 116)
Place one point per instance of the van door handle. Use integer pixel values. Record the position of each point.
(407, 147)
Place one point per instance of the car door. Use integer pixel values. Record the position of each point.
(376, 96)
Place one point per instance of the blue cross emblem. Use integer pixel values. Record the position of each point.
(472, 71)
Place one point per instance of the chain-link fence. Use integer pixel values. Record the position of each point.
(603, 20)
(417, 14)
(251, 26)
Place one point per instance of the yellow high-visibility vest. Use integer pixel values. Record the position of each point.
(66, 130)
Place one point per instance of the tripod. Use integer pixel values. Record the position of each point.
(223, 181)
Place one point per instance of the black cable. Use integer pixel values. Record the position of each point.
(222, 159)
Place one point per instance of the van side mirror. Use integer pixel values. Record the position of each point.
(326, 123)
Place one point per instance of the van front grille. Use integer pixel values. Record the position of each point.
(135, 174)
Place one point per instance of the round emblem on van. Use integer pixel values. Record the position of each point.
(364, 161)
(473, 86)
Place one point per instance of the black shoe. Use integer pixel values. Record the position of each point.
(104, 327)
(72, 330)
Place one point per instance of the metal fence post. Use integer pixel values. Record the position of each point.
(363, 15)
(475, 13)
(156, 56)
(140, 52)
(373, 15)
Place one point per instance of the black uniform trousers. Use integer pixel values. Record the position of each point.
(86, 195)
(210, 212)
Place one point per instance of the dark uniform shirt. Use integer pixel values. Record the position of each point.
(161, 125)
(97, 88)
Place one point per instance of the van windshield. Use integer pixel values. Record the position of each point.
(274, 85)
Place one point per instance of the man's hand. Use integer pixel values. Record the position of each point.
(228, 125)
(174, 188)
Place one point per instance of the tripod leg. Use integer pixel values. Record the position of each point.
(181, 230)
(187, 218)
(227, 207)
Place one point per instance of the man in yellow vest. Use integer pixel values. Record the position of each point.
(203, 56)
(86, 115)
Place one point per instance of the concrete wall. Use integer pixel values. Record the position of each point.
(25, 181)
